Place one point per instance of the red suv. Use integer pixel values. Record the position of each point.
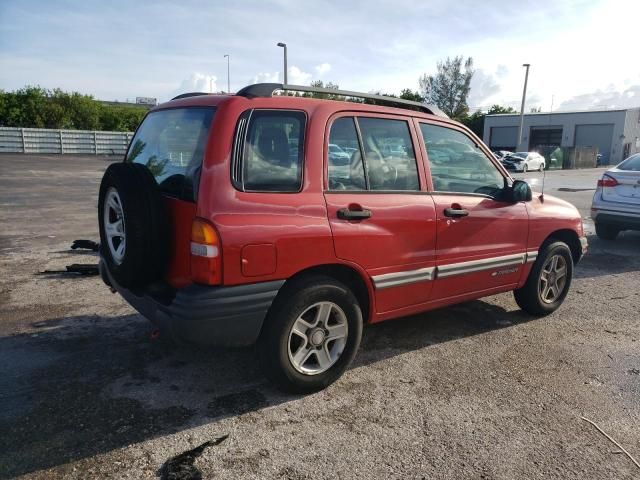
(232, 222)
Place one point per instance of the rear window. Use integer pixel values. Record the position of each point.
(632, 163)
(171, 144)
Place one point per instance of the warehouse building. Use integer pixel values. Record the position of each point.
(615, 133)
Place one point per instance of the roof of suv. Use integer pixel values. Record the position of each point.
(264, 93)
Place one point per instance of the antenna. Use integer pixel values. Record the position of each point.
(544, 176)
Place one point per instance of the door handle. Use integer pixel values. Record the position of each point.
(347, 214)
(455, 212)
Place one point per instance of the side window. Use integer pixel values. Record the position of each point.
(344, 159)
(457, 164)
(389, 158)
(270, 159)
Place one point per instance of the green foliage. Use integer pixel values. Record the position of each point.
(36, 107)
(449, 88)
(409, 94)
(496, 109)
(475, 122)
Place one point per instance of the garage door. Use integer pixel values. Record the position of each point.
(503, 138)
(596, 136)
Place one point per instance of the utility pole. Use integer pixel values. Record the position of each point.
(524, 96)
(228, 76)
(284, 45)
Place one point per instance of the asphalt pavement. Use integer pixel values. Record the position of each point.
(479, 390)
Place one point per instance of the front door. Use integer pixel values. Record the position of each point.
(380, 216)
(481, 240)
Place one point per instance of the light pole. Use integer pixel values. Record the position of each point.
(228, 76)
(210, 84)
(284, 45)
(524, 96)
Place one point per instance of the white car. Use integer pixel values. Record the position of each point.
(616, 203)
(524, 162)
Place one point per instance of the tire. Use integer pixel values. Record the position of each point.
(524, 168)
(139, 253)
(278, 343)
(541, 167)
(606, 232)
(530, 297)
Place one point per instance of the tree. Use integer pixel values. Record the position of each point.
(475, 123)
(408, 94)
(497, 109)
(449, 88)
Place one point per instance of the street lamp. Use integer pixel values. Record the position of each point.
(524, 96)
(284, 45)
(228, 76)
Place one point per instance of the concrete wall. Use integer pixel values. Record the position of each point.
(568, 121)
(632, 130)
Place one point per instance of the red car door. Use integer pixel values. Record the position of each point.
(481, 239)
(381, 217)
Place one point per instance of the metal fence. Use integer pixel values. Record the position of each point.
(41, 140)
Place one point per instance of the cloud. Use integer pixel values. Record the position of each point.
(296, 76)
(198, 82)
(322, 68)
(484, 86)
(602, 99)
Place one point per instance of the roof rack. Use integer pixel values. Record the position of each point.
(190, 94)
(267, 89)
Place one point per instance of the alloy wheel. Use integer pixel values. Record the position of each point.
(114, 225)
(318, 338)
(553, 278)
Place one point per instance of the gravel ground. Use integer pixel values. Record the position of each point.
(479, 390)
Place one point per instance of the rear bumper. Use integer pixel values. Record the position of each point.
(621, 220)
(223, 316)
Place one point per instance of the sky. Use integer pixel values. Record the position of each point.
(583, 54)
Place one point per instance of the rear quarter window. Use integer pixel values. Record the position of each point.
(268, 152)
(171, 144)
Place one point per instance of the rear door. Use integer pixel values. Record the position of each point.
(481, 240)
(380, 216)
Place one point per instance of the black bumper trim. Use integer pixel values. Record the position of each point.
(223, 316)
(621, 221)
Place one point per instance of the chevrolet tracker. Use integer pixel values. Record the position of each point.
(291, 222)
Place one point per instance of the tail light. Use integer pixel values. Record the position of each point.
(607, 181)
(206, 258)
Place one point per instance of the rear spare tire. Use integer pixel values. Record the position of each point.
(134, 233)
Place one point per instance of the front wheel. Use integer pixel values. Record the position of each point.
(548, 282)
(524, 168)
(310, 335)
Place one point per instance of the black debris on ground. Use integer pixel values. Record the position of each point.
(181, 467)
(85, 245)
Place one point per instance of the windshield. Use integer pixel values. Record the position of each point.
(632, 163)
(519, 154)
(171, 144)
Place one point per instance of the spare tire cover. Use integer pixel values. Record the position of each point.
(133, 221)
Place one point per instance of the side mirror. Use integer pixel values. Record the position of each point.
(520, 191)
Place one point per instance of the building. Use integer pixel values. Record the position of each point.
(616, 133)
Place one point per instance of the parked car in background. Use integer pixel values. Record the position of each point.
(616, 202)
(337, 155)
(500, 154)
(524, 161)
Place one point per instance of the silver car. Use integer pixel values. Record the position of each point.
(616, 203)
(524, 161)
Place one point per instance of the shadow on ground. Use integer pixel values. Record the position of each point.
(86, 385)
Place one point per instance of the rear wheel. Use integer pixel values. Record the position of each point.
(548, 282)
(606, 232)
(541, 168)
(310, 335)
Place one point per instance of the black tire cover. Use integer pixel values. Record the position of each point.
(146, 228)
